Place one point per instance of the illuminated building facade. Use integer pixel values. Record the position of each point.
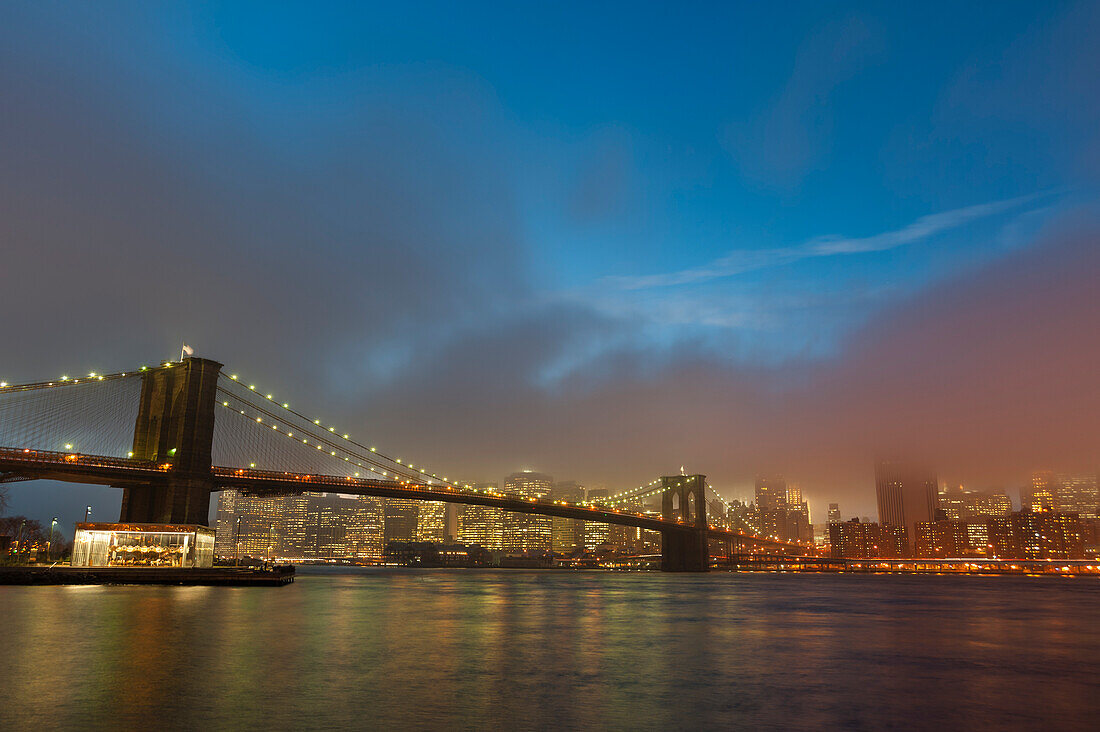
(143, 545)
(958, 504)
(431, 522)
(482, 525)
(945, 539)
(1043, 489)
(307, 526)
(596, 535)
(364, 527)
(1036, 535)
(771, 492)
(859, 540)
(567, 535)
(1078, 494)
(527, 533)
(834, 513)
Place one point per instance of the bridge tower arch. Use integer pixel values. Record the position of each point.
(683, 499)
(175, 424)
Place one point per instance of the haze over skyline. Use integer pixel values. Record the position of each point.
(742, 240)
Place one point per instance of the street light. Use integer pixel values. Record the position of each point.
(87, 513)
(49, 544)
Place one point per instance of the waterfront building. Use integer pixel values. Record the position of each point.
(1036, 535)
(306, 526)
(525, 533)
(859, 540)
(256, 534)
(944, 539)
(907, 495)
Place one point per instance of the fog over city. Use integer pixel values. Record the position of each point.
(438, 260)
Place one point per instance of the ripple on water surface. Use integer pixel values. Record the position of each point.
(488, 649)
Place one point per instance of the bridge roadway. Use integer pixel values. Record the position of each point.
(24, 464)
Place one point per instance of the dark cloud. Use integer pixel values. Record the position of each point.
(988, 376)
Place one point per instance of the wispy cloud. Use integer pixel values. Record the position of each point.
(747, 260)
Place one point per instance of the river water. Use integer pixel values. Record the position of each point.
(453, 649)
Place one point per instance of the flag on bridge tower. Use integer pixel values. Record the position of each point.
(186, 351)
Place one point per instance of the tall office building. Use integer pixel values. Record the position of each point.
(771, 492)
(1078, 494)
(567, 535)
(958, 504)
(482, 525)
(400, 519)
(906, 495)
(365, 527)
(1043, 489)
(306, 526)
(596, 535)
(527, 532)
(431, 522)
(257, 533)
(834, 513)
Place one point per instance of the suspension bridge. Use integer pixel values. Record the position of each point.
(170, 435)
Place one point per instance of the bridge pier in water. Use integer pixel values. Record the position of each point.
(175, 424)
(683, 499)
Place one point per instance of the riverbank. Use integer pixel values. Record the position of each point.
(216, 576)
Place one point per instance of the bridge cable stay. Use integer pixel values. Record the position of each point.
(268, 435)
(91, 415)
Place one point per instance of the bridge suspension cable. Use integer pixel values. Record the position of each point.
(324, 443)
(91, 414)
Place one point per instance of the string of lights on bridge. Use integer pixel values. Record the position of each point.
(409, 468)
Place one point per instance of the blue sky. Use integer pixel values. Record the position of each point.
(638, 142)
(569, 212)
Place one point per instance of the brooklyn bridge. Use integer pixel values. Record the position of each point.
(170, 435)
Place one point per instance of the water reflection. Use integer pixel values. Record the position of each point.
(539, 650)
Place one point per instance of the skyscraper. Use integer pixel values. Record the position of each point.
(906, 495)
(482, 525)
(431, 522)
(771, 492)
(834, 513)
(400, 519)
(566, 535)
(1078, 494)
(1044, 488)
(527, 532)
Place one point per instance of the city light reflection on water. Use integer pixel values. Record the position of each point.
(454, 649)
